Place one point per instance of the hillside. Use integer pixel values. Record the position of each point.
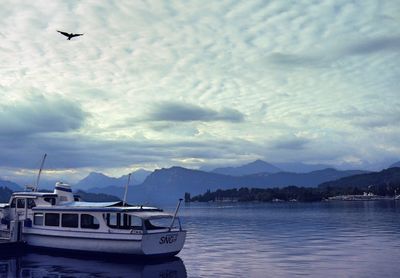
(258, 166)
(397, 164)
(11, 185)
(96, 197)
(5, 194)
(100, 180)
(310, 179)
(167, 185)
(387, 177)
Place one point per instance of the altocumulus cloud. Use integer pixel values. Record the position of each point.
(40, 115)
(186, 112)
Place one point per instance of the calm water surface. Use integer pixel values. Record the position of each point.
(335, 239)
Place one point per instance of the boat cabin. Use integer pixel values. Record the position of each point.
(62, 210)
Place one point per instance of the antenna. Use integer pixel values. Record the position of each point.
(126, 189)
(40, 171)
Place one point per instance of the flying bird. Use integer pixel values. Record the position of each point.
(69, 35)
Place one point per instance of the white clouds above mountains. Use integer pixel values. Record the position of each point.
(156, 83)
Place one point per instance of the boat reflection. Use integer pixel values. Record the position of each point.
(46, 264)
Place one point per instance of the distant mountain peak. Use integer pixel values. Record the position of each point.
(96, 174)
(255, 167)
(396, 164)
(100, 180)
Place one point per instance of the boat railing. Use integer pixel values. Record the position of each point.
(5, 234)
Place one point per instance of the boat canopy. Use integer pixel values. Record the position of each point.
(151, 214)
(96, 207)
(93, 204)
(33, 194)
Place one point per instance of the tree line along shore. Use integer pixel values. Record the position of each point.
(293, 193)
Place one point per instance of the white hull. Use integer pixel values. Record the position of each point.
(58, 221)
(142, 245)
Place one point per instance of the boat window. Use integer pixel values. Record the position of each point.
(160, 223)
(89, 222)
(69, 220)
(20, 203)
(63, 198)
(38, 219)
(52, 219)
(13, 203)
(31, 203)
(136, 223)
(122, 221)
(50, 200)
(111, 220)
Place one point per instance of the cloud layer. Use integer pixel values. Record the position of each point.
(185, 112)
(155, 83)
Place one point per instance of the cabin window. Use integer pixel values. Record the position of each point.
(50, 200)
(52, 219)
(89, 222)
(135, 223)
(63, 198)
(111, 219)
(13, 202)
(20, 203)
(160, 223)
(122, 221)
(69, 220)
(31, 203)
(38, 219)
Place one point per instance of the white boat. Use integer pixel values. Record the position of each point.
(60, 220)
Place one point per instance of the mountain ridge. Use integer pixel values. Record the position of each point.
(396, 164)
(386, 177)
(257, 166)
(169, 184)
(100, 180)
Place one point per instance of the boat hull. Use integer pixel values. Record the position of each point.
(155, 244)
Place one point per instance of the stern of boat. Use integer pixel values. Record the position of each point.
(163, 244)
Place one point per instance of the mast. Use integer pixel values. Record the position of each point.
(40, 172)
(176, 212)
(126, 189)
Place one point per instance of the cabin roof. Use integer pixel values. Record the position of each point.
(93, 204)
(34, 194)
(96, 207)
(151, 214)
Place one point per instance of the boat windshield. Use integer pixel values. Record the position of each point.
(158, 223)
(123, 221)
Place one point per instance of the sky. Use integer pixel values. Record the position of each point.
(153, 84)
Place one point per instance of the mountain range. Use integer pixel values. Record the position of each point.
(169, 184)
(10, 185)
(386, 177)
(255, 167)
(100, 180)
(397, 164)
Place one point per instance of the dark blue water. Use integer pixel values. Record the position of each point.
(332, 239)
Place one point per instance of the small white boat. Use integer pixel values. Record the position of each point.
(60, 220)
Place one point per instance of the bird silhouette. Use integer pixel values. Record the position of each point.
(69, 35)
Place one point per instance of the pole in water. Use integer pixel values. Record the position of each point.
(126, 189)
(40, 171)
(176, 212)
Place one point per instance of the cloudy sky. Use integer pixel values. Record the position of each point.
(159, 83)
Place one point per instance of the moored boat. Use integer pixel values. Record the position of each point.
(60, 220)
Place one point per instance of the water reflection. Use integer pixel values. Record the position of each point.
(45, 264)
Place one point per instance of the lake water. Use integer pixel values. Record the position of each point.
(331, 239)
